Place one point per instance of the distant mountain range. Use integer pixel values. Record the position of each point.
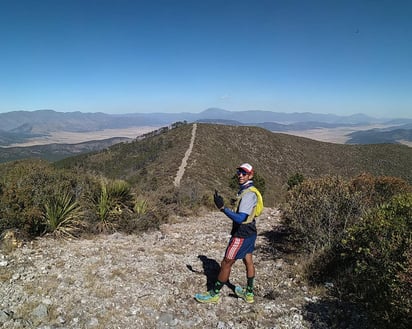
(20, 126)
(44, 121)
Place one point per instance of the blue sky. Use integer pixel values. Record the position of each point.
(119, 56)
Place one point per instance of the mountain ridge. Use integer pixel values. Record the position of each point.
(152, 163)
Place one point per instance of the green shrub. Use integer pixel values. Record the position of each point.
(318, 211)
(26, 187)
(377, 190)
(376, 256)
(294, 180)
(357, 234)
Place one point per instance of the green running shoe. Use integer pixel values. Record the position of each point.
(248, 297)
(207, 297)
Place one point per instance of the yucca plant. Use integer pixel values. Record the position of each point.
(114, 198)
(103, 203)
(62, 215)
(120, 193)
(104, 207)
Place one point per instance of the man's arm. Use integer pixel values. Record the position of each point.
(236, 217)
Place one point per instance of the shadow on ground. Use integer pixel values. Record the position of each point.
(335, 314)
(211, 269)
(279, 244)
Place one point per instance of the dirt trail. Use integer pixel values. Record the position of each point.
(182, 167)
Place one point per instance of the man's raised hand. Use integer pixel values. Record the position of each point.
(218, 200)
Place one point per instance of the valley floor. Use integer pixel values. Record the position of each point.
(149, 280)
(67, 137)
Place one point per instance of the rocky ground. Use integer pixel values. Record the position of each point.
(149, 280)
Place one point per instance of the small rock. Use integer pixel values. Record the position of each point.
(279, 264)
(15, 277)
(4, 316)
(40, 311)
(93, 322)
(166, 318)
(221, 325)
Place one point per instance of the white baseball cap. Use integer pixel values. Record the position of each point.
(246, 167)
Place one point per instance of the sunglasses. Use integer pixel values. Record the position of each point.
(241, 172)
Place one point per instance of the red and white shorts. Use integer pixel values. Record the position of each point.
(238, 247)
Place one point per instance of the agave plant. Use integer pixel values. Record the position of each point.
(62, 215)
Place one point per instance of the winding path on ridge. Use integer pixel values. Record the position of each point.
(182, 167)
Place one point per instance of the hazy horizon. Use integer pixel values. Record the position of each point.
(210, 108)
(326, 57)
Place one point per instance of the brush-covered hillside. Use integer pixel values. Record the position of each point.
(152, 163)
(333, 252)
(55, 151)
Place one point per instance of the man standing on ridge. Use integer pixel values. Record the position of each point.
(248, 206)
